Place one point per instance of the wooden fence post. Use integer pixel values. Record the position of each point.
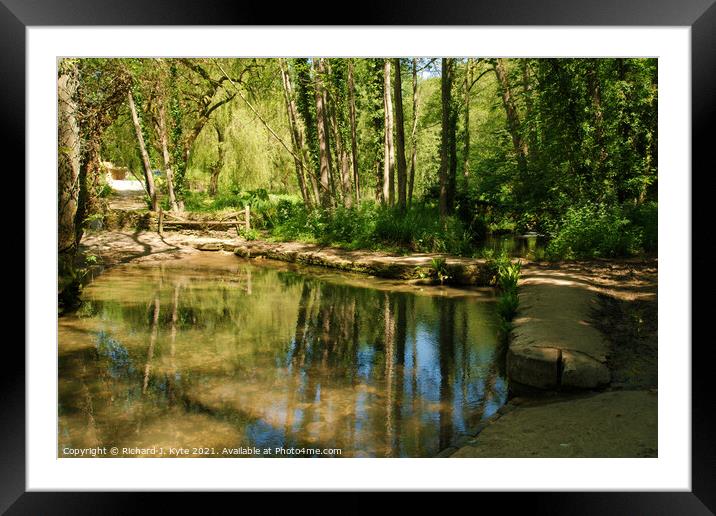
(161, 222)
(247, 214)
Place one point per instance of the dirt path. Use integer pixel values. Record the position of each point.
(115, 247)
(127, 200)
(609, 424)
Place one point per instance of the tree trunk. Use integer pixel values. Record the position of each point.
(354, 138)
(164, 139)
(68, 163)
(219, 164)
(296, 134)
(388, 150)
(149, 178)
(341, 152)
(89, 170)
(414, 133)
(513, 121)
(400, 138)
(324, 150)
(596, 97)
(466, 134)
(445, 139)
(452, 173)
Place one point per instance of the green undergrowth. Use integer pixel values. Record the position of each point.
(506, 275)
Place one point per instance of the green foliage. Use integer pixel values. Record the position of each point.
(645, 217)
(440, 270)
(248, 234)
(507, 304)
(588, 129)
(373, 226)
(594, 231)
(508, 274)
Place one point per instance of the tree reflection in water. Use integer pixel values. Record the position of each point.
(233, 354)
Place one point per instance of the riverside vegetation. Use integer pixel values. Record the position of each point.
(404, 154)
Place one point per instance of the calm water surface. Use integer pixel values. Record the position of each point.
(227, 355)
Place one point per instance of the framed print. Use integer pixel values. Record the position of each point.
(424, 245)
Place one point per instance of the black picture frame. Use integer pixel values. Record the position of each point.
(700, 15)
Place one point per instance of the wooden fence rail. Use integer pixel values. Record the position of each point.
(172, 221)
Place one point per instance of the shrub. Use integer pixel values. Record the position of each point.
(440, 270)
(507, 305)
(645, 217)
(594, 231)
(508, 275)
(371, 226)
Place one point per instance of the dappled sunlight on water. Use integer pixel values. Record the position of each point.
(219, 352)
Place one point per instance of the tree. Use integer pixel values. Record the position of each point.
(160, 98)
(68, 155)
(354, 138)
(414, 131)
(103, 88)
(447, 135)
(217, 165)
(148, 173)
(400, 138)
(164, 143)
(513, 120)
(388, 148)
(336, 97)
(296, 133)
(324, 150)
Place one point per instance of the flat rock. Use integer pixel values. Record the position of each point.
(534, 366)
(554, 342)
(583, 372)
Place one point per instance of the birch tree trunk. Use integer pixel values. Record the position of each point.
(388, 149)
(143, 150)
